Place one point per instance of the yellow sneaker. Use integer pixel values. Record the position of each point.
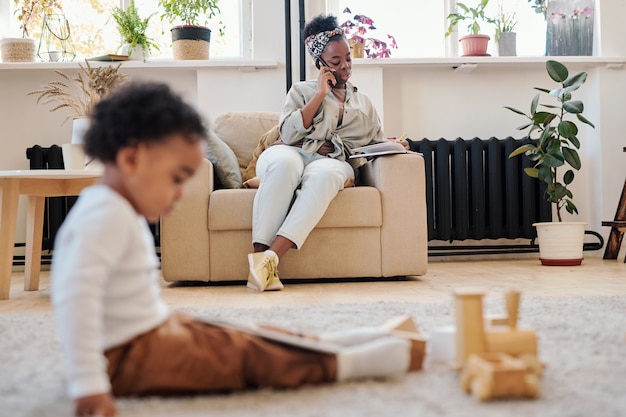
(263, 274)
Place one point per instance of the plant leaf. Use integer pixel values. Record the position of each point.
(533, 105)
(575, 80)
(515, 110)
(521, 150)
(575, 107)
(568, 177)
(553, 160)
(574, 141)
(567, 129)
(570, 207)
(572, 158)
(545, 174)
(532, 172)
(584, 120)
(557, 71)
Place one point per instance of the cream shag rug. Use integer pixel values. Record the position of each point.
(581, 339)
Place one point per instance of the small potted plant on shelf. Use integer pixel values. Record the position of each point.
(190, 39)
(28, 13)
(505, 37)
(356, 29)
(132, 29)
(556, 147)
(79, 94)
(475, 43)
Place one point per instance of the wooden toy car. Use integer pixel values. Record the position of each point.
(496, 375)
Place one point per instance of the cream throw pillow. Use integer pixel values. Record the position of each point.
(225, 162)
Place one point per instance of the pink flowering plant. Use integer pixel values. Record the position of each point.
(356, 29)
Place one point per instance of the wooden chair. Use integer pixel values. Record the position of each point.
(618, 228)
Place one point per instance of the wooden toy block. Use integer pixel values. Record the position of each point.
(477, 334)
(470, 332)
(498, 375)
(514, 342)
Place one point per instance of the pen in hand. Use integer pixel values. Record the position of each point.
(401, 138)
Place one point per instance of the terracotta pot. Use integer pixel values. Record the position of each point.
(560, 243)
(474, 45)
(357, 49)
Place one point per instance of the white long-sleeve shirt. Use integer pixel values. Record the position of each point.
(104, 283)
(360, 125)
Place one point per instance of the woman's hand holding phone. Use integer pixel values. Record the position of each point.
(326, 73)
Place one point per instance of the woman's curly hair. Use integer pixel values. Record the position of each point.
(141, 112)
(319, 24)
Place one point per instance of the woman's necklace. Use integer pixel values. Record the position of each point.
(340, 95)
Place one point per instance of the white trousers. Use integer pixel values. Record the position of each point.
(282, 170)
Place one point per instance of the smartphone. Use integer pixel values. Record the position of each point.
(319, 61)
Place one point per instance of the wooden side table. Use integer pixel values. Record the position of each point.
(36, 184)
(618, 228)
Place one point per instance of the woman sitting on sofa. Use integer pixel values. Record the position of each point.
(321, 121)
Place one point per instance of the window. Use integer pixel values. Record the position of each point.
(419, 27)
(93, 30)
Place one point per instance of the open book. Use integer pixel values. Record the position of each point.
(388, 147)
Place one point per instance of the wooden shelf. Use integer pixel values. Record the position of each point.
(491, 61)
(242, 65)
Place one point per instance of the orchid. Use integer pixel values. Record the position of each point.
(356, 30)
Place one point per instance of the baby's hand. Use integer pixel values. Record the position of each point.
(95, 405)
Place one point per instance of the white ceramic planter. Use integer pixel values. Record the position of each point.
(134, 54)
(79, 128)
(561, 243)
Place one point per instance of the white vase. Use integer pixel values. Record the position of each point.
(560, 243)
(73, 156)
(134, 54)
(79, 128)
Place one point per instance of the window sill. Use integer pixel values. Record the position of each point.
(469, 63)
(242, 65)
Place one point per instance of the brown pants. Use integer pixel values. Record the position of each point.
(184, 356)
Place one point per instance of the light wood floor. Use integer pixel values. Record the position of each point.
(594, 277)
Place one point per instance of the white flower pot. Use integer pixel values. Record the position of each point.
(79, 128)
(561, 243)
(134, 54)
(73, 156)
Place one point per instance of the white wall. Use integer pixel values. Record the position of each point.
(423, 101)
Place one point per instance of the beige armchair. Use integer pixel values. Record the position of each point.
(375, 230)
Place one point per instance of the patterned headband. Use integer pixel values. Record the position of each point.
(316, 43)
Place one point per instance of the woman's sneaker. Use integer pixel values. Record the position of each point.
(263, 272)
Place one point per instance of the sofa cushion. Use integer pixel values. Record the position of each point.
(352, 207)
(225, 162)
(241, 132)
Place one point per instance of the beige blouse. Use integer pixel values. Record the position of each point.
(359, 126)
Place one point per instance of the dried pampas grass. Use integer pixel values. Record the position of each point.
(91, 84)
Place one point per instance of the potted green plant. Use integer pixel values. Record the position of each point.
(505, 36)
(475, 43)
(190, 39)
(132, 28)
(355, 29)
(555, 147)
(28, 13)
